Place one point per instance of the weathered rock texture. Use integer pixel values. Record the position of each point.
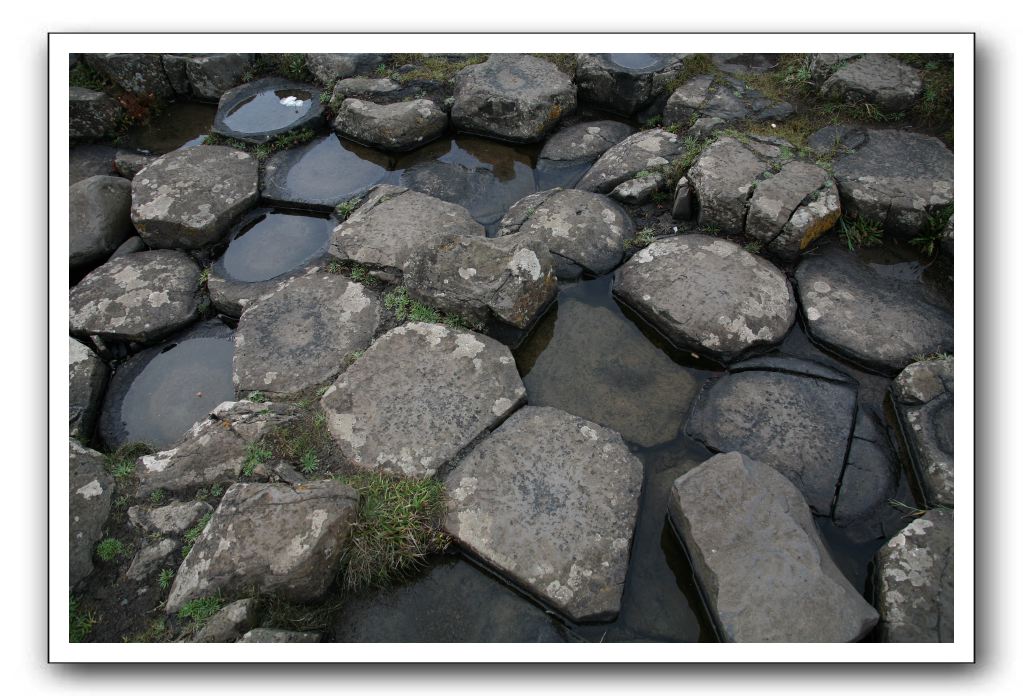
(875, 78)
(141, 73)
(99, 218)
(90, 490)
(605, 81)
(210, 75)
(92, 114)
(278, 635)
(724, 98)
(329, 67)
(88, 377)
(869, 481)
(151, 558)
(400, 126)
(173, 519)
(643, 151)
(584, 141)
(924, 398)
(792, 208)
(229, 623)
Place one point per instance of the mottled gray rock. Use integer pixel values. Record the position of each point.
(869, 480)
(474, 277)
(643, 151)
(816, 215)
(512, 97)
(132, 245)
(639, 190)
(396, 127)
(299, 336)
(175, 518)
(363, 88)
(790, 209)
(586, 232)
(738, 63)
(878, 321)
(88, 377)
(584, 141)
(91, 489)
(756, 552)
(386, 414)
(392, 222)
(210, 75)
(924, 398)
(229, 623)
(129, 163)
(188, 198)
(916, 582)
(177, 75)
(705, 126)
(744, 301)
(791, 414)
(837, 139)
(141, 73)
(550, 500)
(625, 83)
(875, 78)
(896, 178)
(727, 99)
(682, 206)
(91, 160)
(92, 114)
(723, 178)
(151, 558)
(99, 218)
(822, 65)
(139, 297)
(278, 635)
(274, 537)
(329, 67)
(214, 449)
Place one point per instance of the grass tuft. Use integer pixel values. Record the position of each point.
(643, 238)
(192, 535)
(80, 622)
(930, 236)
(427, 66)
(121, 462)
(344, 209)
(200, 610)
(110, 548)
(255, 455)
(860, 232)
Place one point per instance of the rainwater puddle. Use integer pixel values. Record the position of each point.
(272, 244)
(269, 110)
(635, 61)
(179, 125)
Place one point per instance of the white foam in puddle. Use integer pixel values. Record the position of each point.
(291, 101)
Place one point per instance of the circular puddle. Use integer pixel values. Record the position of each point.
(635, 61)
(270, 110)
(272, 244)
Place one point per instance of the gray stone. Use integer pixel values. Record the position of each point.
(91, 489)
(363, 88)
(174, 519)
(210, 75)
(394, 127)
(392, 222)
(875, 78)
(584, 231)
(129, 163)
(916, 582)
(229, 623)
(91, 160)
(92, 114)
(132, 245)
(418, 396)
(877, 321)
(744, 301)
(794, 415)
(756, 552)
(274, 537)
(815, 216)
(474, 277)
(869, 480)
(896, 178)
(329, 67)
(550, 500)
(738, 63)
(188, 198)
(838, 139)
(150, 558)
(639, 190)
(727, 99)
(584, 141)
(277, 635)
(723, 178)
(140, 73)
(214, 449)
(139, 297)
(643, 151)
(177, 75)
(88, 377)
(300, 335)
(705, 126)
(924, 398)
(512, 97)
(682, 206)
(625, 83)
(792, 208)
(99, 219)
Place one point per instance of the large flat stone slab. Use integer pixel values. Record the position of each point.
(90, 490)
(584, 141)
(875, 78)
(723, 178)
(394, 127)
(92, 114)
(99, 218)
(756, 552)
(924, 398)
(643, 151)
(550, 500)
(418, 396)
(723, 99)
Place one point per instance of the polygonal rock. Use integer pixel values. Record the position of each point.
(329, 67)
(392, 222)
(214, 449)
(211, 75)
(128, 164)
(150, 558)
(639, 190)
(584, 141)
(277, 538)
(550, 500)
(722, 178)
(924, 398)
(512, 97)
(279, 635)
(773, 206)
(791, 414)
(916, 581)
(400, 126)
(87, 376)
(727, 99)
(139, 297)
(756, 552)
(877, 321)
(188, 198)
(299, 336)
(141, 73)
(263, 109)
(229, 623)
(625, 82)
(512, 277)
(896, 178)
(708, 295)
(869, 480)
(99, 218)
(639, 152)
(175, 518)
(420, 394)
(810, 220)
(586, 232)
(362, 88)
(92, 114)
(875, 78)
(91, 489)
(132, 245)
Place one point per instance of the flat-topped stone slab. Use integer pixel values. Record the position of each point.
(792, 208)
(625, 82)
(99, 218)
(765, 572)
(263, 109)
(392, 222)
(584, 141)
(139, 73)
(92, 114)
(364, 88)
(90, 492)
(394, 127)
(330, 67)
(643, 151)
(924, 398)
(300, 335)
(512, 97)
(137, 298)
(708, 295)
(724, 98)
(877, 321)
(878, 79)
(173, 519)
(209, 75)
(550, 500)
(418, 396)
(88, 378)
(189, 198)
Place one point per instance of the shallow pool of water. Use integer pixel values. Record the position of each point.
(635, 61)
(178, 125)
(269, 110)
(274, 243)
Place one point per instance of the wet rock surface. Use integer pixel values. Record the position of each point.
(263, 109)
(140, 73)
(916, 576)
(99, 218)
(395, 127)
(92, 114)
(128, 164)
(875, 320)
(550, 500)
(875, 78)
(91, 490)
(643, 151)
(869, 481)
(708, 295)
(210, 75)
(87, 375)
(584, 141)
(766, 573)
(385, 414)
(724, 98)
(278, 635)
(364, 88)
(625, 82)
(300, 335)
(924, 399)
(280, 539)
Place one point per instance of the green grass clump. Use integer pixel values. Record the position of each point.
(110, 548)
(157, 496)
(165, 578)
(200, 610)
(82, 75)
(309, 462)
(121, 462)
(156, 632)
(80, 622)
(427, 66)
(304, 442)
(257, 397)
(255, 455)
(933, 230)
(344, 209)
(643, 238)
(192, 535)
(860, 232)
(754, 247)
